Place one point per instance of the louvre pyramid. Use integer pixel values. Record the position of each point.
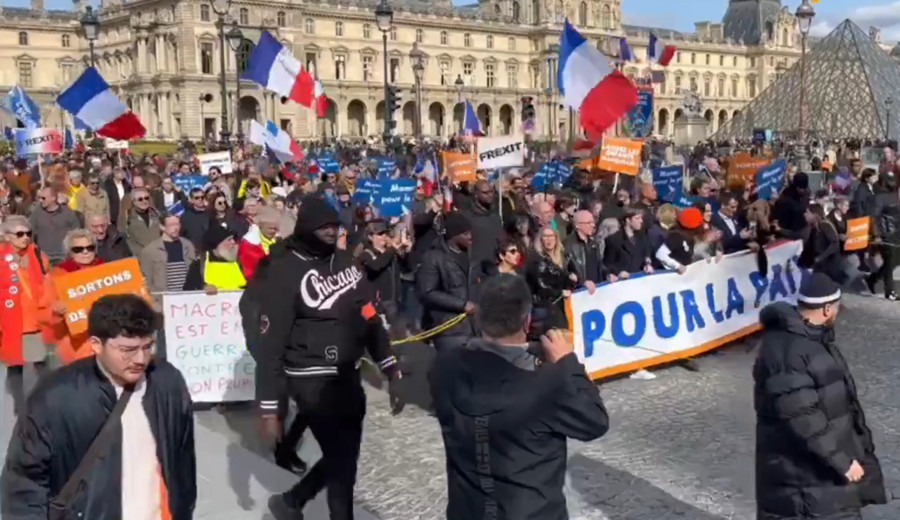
(848, 80)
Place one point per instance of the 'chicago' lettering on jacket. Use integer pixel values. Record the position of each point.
(321, 292)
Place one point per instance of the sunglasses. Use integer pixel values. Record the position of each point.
(93, 183)
(77, 250)
(142, 199)
(20, 234)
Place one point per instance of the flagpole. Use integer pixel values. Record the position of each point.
(500, 192)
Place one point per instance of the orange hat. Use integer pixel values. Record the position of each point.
(690, 218)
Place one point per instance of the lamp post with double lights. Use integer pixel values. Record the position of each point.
(235, 40)
(417, 59)
(804, 15)
(221, 8)
(384, 19)
(90, 24)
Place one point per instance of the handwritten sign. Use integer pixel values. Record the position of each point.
(205, 341)
(115, 144)
(460, 167)
(743, 167)
(80, 289)
(220, 160)
(857, 234)
(620, 155)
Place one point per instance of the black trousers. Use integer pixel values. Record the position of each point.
(886, 273)
(334, 409)
(15, 384)
(843, 515)
(293, 434)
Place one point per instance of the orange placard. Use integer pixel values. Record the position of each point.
(857, 234)
(742, 167)
(79, 290)
(460, 167)
(620, 155)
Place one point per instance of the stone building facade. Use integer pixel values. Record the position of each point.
(162, 58)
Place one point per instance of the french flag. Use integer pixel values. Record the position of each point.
(625, 53)
(271, 65)
(658, 52)
(471, 124)
(276, 141)
(90, 101)
(321, 100)
(590, 85)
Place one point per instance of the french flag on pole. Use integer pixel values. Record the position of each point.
(471, 124)
(658, 52)
(90, 100)
(276, 141)
(271, 65)
(590, 85)
(321, 100)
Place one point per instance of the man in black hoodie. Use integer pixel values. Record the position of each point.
(315, 324)
(486, 225)
(505, 414)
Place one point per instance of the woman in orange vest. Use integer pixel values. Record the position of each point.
(81, 253)
(22, 268)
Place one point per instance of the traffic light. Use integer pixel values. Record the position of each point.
(394, 99)
(527, 108)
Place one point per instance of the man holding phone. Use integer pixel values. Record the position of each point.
(505, 413)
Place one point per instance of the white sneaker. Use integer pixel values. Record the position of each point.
(642, 375)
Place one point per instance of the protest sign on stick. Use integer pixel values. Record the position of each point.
(500, 152)
(205, 341)
(857, 234)
(620, 155)
(220, 160)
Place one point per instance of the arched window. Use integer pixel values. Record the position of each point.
(281, 19)
(605, 17)
(23, 38)
(309, 26)
(244, 16)
(420, 36)
(785, 39)
(66, 40)
(497, 9)
(367, 31)
(516, 12)
(582, 14)
(443, 37)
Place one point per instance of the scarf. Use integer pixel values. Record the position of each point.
(265, 242)
(70, 266)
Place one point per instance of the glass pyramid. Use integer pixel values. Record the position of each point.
(848, 80)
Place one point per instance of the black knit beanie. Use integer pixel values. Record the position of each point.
(456, 224)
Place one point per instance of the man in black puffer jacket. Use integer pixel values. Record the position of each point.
(814, 452)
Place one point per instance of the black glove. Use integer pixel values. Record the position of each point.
(396, 394)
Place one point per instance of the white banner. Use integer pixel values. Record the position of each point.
(220, 160)
(205, 341)
(655, 319)
(114, 144)
(501, 152)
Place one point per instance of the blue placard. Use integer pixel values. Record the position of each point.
(682, 202)
(769, 179)
(386, 167)
(639, 120)
(186, 183)
(563, 172)
(544, 176)
(365, 190)
(395, 197)
(668, 182)
(328, 165)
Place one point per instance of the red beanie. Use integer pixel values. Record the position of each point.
(690, 218)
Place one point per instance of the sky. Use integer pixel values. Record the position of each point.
(663, 13)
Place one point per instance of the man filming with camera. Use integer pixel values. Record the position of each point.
(506, 411)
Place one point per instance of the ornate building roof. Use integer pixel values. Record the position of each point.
(751, 21)
(849, 79)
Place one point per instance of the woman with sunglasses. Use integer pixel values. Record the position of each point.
(81, 253)
(22, 268)
(551, 277)
(220, 213)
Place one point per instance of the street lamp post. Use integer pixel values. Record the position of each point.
(804, 15)
(459, 84)
(235, 40)
(91, 26)
(384, 18)
(221, 7)
(417, 58)
(887, 125)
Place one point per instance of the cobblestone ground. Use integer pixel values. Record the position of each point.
(681, 446)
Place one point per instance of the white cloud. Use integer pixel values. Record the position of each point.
(884, 16)
(820, 29)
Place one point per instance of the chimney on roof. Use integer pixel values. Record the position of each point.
(37, 5)
(875, 34)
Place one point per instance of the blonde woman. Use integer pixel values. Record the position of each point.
(551, 278)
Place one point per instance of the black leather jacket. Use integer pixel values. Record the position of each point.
(576, 253)
(444, 285)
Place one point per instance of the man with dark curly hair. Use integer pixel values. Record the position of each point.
(108, 436)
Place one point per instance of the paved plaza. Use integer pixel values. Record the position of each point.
(680, 447)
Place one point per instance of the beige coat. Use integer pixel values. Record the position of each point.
(89, 204)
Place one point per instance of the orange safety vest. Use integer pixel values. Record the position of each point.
(21, 291)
